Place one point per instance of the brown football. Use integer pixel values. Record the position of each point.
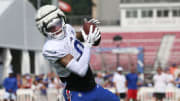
(86, 27)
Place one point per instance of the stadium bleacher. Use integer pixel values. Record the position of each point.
(150, 41)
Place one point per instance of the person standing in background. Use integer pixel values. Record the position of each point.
(120, 83)
(160, 84)
(173, 69)
(132, 80)
(10, 84)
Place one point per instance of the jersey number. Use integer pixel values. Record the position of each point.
(79, 47)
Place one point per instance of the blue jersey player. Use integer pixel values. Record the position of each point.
(69, 56)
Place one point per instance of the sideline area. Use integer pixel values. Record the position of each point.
(144, 94)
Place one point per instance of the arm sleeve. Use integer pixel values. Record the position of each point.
(80, 67)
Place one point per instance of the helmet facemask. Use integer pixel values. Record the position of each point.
(54, 28)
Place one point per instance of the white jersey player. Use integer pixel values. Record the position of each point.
(69, 56)
(56, 49)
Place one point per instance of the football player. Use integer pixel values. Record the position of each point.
(69, 56)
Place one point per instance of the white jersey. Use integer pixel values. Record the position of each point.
(120, 81)
(160, 82)
(54, 49)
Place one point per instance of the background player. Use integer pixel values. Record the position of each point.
(69, 56)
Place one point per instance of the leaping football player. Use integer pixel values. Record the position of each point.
(69, 56)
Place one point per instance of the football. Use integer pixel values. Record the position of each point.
(86, 27)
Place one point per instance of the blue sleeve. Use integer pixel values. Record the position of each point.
(15, 85)
(5, 83)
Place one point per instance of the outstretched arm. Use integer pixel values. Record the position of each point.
(80, 67)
